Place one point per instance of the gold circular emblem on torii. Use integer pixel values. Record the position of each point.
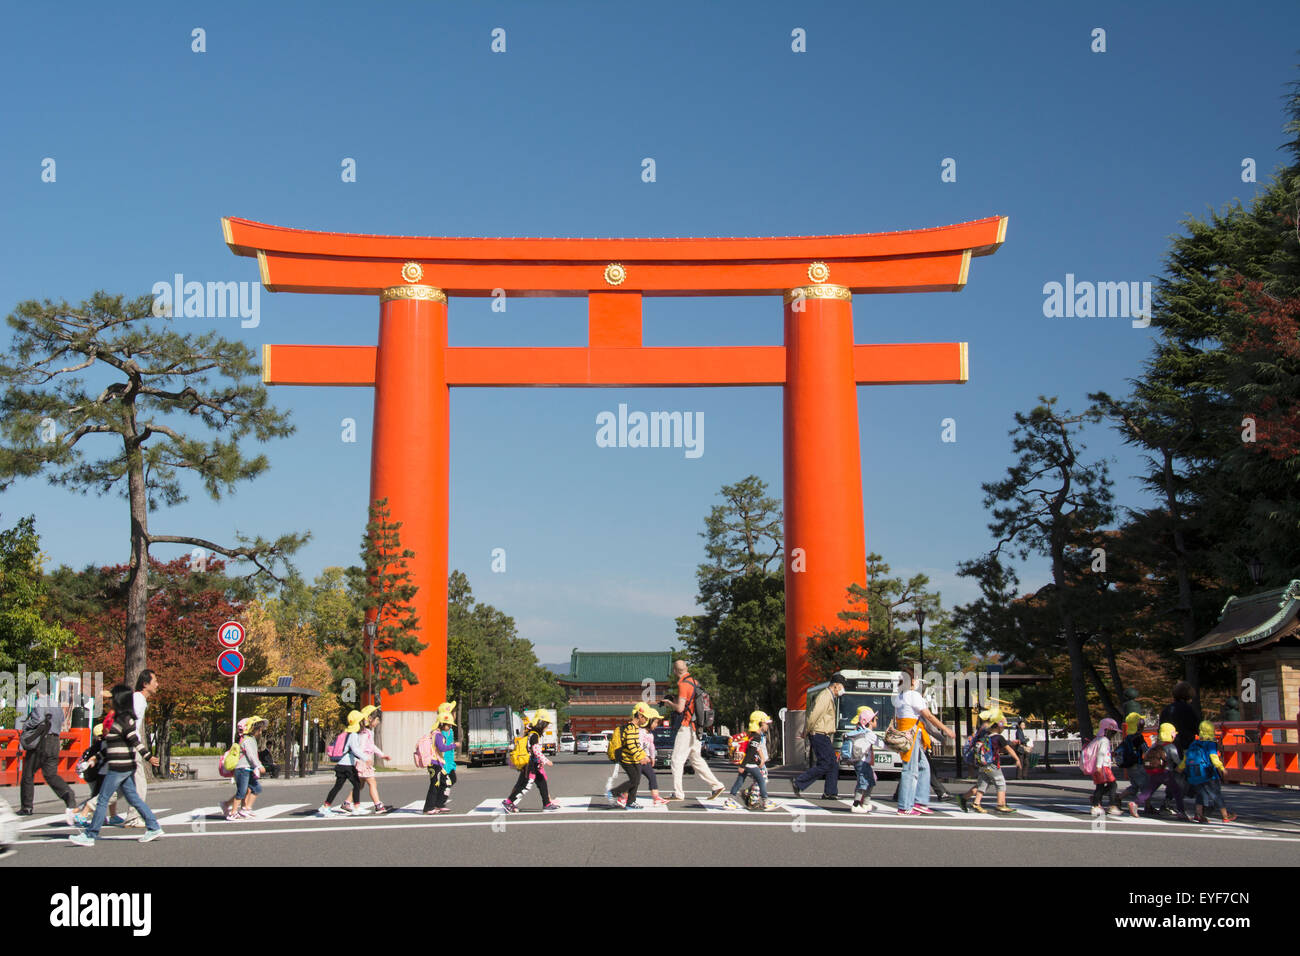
(412, 272)
(615, 273)
(819, 272)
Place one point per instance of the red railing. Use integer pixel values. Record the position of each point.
(1252, 752)
(73, 744)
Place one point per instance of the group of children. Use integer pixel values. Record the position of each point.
(353, 753)
(1149, 768)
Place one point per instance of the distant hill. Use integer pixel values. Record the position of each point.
(561, 670)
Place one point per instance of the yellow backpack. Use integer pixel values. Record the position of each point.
(615, 744)
(519, 752)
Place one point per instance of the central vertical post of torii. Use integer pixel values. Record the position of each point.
(410, 466)
(825, 545)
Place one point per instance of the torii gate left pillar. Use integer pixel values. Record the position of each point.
(412, 370)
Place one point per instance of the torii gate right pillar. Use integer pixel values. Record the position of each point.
(824, 541)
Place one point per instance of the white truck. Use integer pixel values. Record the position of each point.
(550, 738)
(490, 732)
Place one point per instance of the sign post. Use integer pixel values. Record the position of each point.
(229, 663)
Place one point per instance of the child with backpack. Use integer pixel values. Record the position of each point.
(1203, 767)
(754, 762)
(370, 718)
(1129, 759)
(860, 742)
(247, 771)
(345, 752)
(1161, 765)
(983, 753)
(442, 763)
(1098, 760)
(648, 768)
(91, 768)
(626, 750)
(533, 771)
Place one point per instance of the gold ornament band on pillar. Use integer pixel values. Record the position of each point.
(425, 292)
(819, 292)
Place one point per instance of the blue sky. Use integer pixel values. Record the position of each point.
(1096, 157)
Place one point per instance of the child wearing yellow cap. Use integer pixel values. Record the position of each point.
(1203, 767)
(861, 742)
(1161, 764)
(1128, 757)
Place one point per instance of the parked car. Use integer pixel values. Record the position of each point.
(598, 744)
(580, 745)
(8, 828)
(567, 744)
(714, 746)
(663, 747)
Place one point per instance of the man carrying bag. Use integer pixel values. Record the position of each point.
(41, 745)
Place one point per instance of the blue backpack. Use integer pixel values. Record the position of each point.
(1199, 767)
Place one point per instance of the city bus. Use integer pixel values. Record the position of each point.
(875, 689)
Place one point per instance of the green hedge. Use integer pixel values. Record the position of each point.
(197, 751)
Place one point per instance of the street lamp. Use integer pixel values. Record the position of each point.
(919, 615)
(372, 628)
(1256, 567)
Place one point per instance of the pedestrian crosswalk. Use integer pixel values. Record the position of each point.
(203, 817)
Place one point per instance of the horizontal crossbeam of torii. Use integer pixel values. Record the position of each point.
(819, 367)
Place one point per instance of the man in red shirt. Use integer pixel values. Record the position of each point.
(686, 741)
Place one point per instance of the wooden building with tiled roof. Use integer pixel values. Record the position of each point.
(605, 685)
(1261, 636)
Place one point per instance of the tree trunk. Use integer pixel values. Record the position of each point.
(1184, 579)
(137, 600)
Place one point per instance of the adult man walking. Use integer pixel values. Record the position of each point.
(41, 743)
(686, 735)
(146, 686)
(822, 719)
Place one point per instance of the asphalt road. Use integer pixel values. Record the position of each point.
(1053, 828)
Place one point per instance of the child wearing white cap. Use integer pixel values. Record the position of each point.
(860, 742)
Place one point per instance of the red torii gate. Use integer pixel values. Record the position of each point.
(412, 371)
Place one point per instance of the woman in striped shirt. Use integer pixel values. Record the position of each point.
(122, 747)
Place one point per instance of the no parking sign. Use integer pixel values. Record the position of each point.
(230, 663)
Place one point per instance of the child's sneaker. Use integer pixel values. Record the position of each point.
(70, 816)
(224, 807)
(358, 811)
(1115, 812)
(80, 821)
(731, 804)
(1006, 809)
(771, 805)
(508, 806)
(1097, 811)
(858, 808)
(632, 806)
(232, 818)
(381, 809)
(114, 821)
(660, 802)
(246, 814)
(923, 809)
(621, 800)
(552, 806)
(323, 810)
(909, 813)
(151, 834)
(1132, 809)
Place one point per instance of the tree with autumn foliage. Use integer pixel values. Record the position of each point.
(148, 394)
(186, 607)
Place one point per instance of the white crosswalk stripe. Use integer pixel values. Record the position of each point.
(187, 816)
(275, 810)
(36, 822)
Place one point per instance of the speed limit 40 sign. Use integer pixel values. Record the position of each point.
(231, 634)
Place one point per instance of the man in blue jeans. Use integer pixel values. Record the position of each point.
(822, 719)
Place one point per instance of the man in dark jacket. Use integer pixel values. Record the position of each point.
(45, 720)
(1186, 718)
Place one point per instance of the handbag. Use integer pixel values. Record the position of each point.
(31, 737)
(898, 741)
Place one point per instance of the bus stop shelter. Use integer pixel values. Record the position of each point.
(284, 688)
